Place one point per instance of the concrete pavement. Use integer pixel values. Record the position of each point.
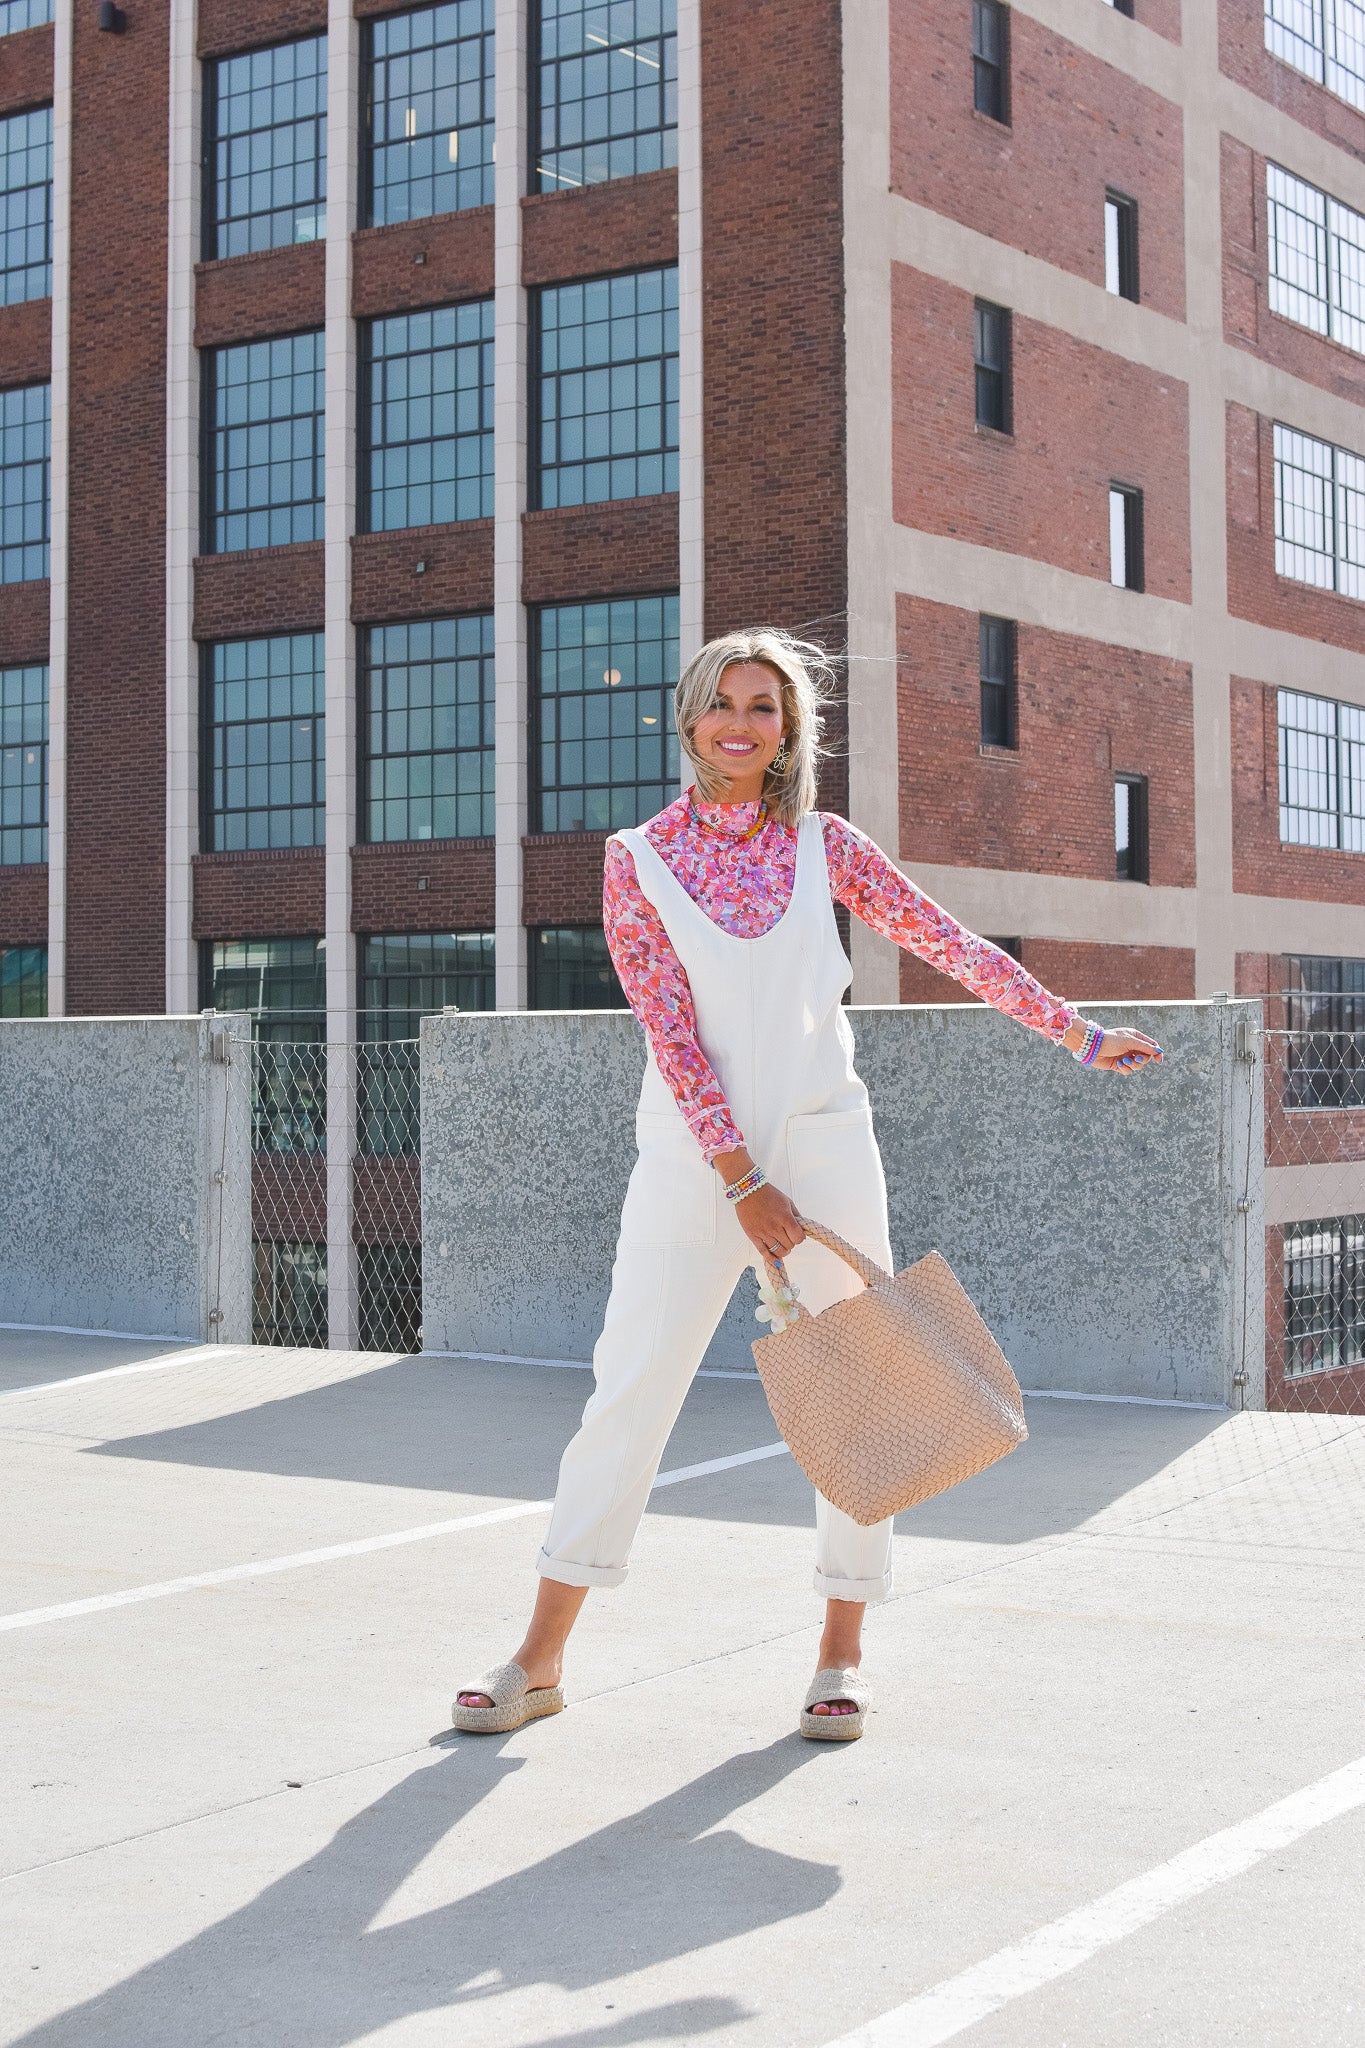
(235, 1813)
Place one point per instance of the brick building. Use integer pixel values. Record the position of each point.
(387, 397)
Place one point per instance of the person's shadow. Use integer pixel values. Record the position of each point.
(302, 1966)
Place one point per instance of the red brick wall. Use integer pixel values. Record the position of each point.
(1247, 319)
(1080, 973)
(259, 590)
(1255, 591)
(773, 316)
(456, 251)
(276, 894)
(24, 613)
(272, 291)
(457, 577)
(116, 683)
(1262, 866)
(1077, 125)
(1082, 418)
(225, 27)
(1244, 57)
(613, 550)
(25, 69)
(1086, 711)
(23, 905)
(562, 878)
(25, 340)
(423, 886)
(626, 224)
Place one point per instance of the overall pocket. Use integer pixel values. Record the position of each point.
(671, 1199)
(835, 1173)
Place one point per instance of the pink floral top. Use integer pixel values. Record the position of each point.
(744, 885)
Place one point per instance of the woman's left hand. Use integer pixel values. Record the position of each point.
(1124, 1052)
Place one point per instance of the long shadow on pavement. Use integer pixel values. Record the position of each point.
(302, 1966)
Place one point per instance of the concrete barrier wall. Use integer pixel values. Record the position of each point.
(112, 1131)
(1094, 1220)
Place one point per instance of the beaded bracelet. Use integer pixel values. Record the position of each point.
(748, 1184)
(1090, 1044)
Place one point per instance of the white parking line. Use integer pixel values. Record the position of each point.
(260, 1568)
(1063, 1945)
(206, 1354)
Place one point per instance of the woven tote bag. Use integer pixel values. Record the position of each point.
(890, 1396)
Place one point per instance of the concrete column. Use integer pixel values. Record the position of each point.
(182, 510)
(691, 444)
(59, 401)
(343, 118)
(873, 737)
(509, 502)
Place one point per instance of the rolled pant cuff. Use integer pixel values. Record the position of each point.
(871, 1592)
(569, 1574)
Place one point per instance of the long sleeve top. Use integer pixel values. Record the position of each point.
(743, 885)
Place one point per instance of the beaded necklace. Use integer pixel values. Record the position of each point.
(738, 838)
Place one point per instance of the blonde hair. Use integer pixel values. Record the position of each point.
(805, 680)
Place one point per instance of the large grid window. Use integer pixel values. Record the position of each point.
(25, 452)
(265, 148)
(404, 977)
(263, 743)
(606, 79)
(17, 14)
(571, 969)
(1319, 513)
(1317, 259)
(23, 981)
(427, 417)
(23, 765)
(263, 443)
(608, 388)
(26, 206)
(1324, 1295)
(1325, 39)
(606, 749)
(1324, 1002)
(1322, 772)
(428, 93)
(428, 724)
(282, 984)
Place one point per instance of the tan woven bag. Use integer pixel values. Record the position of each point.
(889, 1397)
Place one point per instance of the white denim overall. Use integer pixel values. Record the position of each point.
(770, 1022)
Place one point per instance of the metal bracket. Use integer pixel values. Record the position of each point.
(1248, 1038)
(220, 1046)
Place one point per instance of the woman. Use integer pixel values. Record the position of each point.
(720, 918)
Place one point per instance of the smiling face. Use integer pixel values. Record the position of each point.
(741, 733)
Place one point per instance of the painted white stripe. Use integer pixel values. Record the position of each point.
(1123, 1400)
(74, 1330)
(1063, 1945)
(573, 1364)
(261, 1568)
(206, 1354)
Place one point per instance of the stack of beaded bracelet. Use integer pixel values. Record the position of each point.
(748, 1184)
(1090, 1044)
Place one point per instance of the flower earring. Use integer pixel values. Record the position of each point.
(781, 758)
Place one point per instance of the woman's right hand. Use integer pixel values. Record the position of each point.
(768, 1218)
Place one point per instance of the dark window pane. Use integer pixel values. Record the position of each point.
(605, 91)
(990, 59)
(427, 733)
(265, 148)
(427, 417)
(23, 981)
(607, 748)
(263, 443)
(24, 483)
(262, 746)
(17, 14)
(607, 388)
(991, 341)
(23, 765)
(1121, 245)
(427, 82)
(1130, 828)
(571, 969)
(26, 206)
(997, 682)
(405, 977)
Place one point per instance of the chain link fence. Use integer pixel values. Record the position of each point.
(1314, 1045)
(336, 1192)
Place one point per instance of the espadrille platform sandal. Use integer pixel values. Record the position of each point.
(515, 1702)
(825, 1688)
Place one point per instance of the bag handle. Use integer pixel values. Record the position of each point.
(868, 1271)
